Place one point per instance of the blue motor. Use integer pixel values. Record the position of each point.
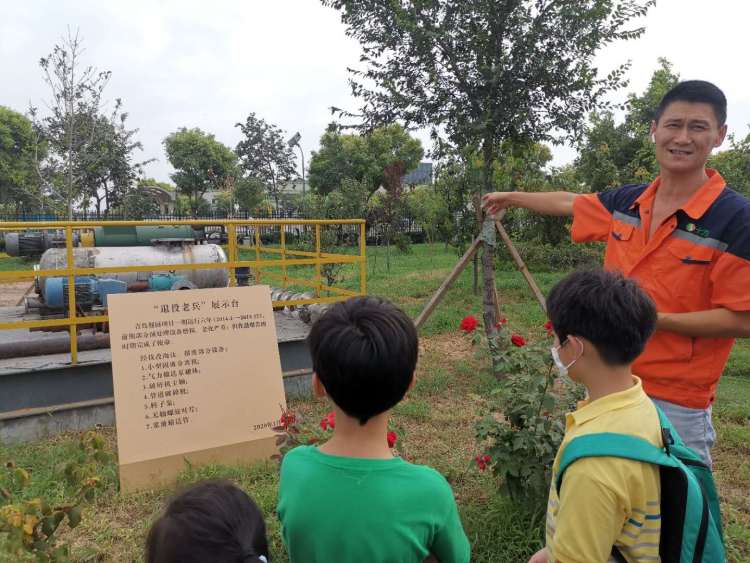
(89, 290)
(169, 282)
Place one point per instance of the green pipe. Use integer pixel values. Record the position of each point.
(141, 235)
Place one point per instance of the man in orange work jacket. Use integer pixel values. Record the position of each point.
(686, 238)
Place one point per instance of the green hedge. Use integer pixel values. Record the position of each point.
(541, 257)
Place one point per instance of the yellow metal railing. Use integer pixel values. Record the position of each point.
(299, 258)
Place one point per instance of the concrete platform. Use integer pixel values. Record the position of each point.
(44, 395)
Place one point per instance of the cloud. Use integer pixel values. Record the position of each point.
(208, 64)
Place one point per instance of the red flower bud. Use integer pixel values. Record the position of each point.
(468, 324)
(391, 437)
(518, 340)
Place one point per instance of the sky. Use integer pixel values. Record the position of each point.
(205, 64)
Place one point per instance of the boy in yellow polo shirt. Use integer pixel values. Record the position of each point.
(602, 322)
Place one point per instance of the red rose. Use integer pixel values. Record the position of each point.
(482, 461)
(468, 324)
(548, 325)
(329, 421)
(287, 420)
(501, 322)
(391, 437)
(518, 340)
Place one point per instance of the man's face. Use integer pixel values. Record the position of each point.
(685, 135)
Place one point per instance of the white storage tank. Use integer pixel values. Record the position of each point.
(110, 257)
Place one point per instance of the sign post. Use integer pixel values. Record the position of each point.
(197, 378)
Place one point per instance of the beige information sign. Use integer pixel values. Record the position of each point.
(197, 377)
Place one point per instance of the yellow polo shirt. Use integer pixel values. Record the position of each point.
(607, 501)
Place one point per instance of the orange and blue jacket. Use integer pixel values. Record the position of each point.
(698, 259)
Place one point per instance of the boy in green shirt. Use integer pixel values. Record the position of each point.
(351, 500)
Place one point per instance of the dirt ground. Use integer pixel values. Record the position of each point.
(12, 292)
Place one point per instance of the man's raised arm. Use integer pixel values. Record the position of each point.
(546, 203)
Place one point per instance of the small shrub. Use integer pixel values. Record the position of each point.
(402, 243)
(523, 420)
(30, 526)
(552, 258)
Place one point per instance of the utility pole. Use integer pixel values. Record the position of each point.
(295, 142)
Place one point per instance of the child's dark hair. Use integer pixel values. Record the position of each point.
(210, 521)
(606, 308)
(364, 351)
(696, 92)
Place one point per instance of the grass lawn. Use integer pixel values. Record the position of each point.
(8, 263)
(434, 424)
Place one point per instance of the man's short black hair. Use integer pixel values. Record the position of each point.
(364, 351)
(606, 308)
(210, 521)
(696, 92)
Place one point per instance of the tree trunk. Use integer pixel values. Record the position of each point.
(479, 218)
(488, 265)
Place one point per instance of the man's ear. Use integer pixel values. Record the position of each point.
(722, 136)
(318, 389)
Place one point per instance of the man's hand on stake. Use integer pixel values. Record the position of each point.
(495, 201)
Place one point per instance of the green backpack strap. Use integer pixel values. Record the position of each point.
(610, 444)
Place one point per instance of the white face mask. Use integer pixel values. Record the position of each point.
(561, 367)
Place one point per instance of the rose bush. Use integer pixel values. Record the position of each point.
(292, 431)
(521, 424)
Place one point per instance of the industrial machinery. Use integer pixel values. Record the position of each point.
(34, 243)
(92, 291)
(51, 297)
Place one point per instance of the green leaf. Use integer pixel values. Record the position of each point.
(49, 525)
(74, 516)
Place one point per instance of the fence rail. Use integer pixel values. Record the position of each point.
(288, 257)
(374, 232)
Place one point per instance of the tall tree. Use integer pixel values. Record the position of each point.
(613, 154)
(201, 162)
(138, 204)
(734, 164)
(107, 171)
(363, 158)
(19, 185)
(71, 125)
(264, 154)
(248, 193)
(482, 72)
(340, 156)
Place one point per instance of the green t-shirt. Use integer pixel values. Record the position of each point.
(337, 509)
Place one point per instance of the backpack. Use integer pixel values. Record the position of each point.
(691, 519)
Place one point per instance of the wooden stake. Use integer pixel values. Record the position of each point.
(521, 265)
(447, 283)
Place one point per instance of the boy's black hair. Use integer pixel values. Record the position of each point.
(210, 521)
(606, 308)
(696, 92)
(364, 351)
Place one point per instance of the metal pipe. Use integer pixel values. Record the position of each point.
(52, 345)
